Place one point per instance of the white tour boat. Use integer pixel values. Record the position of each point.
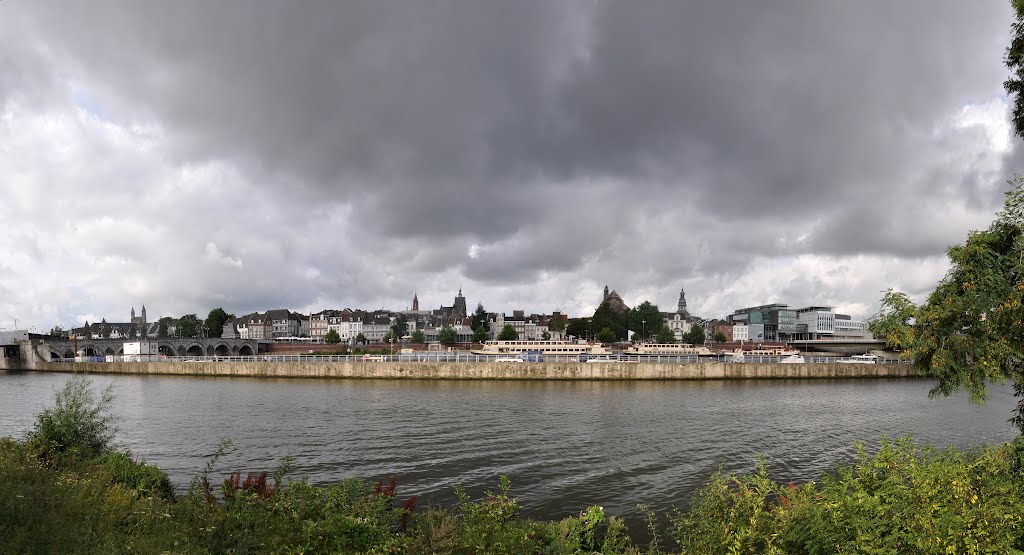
(667, 349)
(564, 348)
(859, 359)
(792, 359)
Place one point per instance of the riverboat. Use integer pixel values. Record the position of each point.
(793, 359)
(859, 359)
(667, 349)
(564, 348)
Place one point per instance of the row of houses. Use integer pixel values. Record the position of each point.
(771, 322)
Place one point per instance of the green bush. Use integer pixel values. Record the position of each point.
(145, 480)
(904, 499)
(79, 421)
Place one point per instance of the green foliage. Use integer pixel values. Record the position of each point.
(578, 327)
(143, 479)
(607, 317)
(1014, 60)
(56, 331)
(163, 326)
(105, 331)
(215, 321)
(508, 333)
(447, 335)
(545, 336)
(665, 335)
(645, 318)
(606, 335)
(401, 327)
(970, 330)
(188, 326)
(332, 337)
(132, 333)
(719, 337)
(695, 336)
(479, 319)
(901, 500)
(419, 337)
(79, 421)
(360, 338)
(557, 322)
(480, 334)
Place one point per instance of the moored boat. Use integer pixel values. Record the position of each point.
(859, 359)
(565, 348)
(667, 349)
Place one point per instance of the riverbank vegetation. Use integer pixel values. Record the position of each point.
(67, 489)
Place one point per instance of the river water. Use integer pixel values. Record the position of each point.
(565, 445)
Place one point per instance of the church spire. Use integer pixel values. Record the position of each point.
(681, 309)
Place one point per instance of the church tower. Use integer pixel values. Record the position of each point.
(605, 297)
(415, 302)
(681, 309)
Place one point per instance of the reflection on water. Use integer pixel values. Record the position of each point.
(565, 445)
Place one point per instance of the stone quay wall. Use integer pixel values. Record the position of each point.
(490, 370)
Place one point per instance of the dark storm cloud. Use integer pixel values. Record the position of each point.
(442, 108)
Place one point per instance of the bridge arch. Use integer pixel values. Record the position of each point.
(182, 351)
(245, 351)
(69, 353)
(54, 355)
(195, 351)
(166, 350)
(109, 351)
(222, 350)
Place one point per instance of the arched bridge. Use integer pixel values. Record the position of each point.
(170, 346)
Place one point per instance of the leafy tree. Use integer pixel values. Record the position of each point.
(400, 328)
(418, 337)
(695, 336)
(606, 335)
(56, 331)
(577, 327)
(163, 326)
(666, 335)
(188, 325)
(332, 337)
(508, 333)
(645, 312)
(447, 335)
(1015, 63)
(479, 319)
(360, 338)
(545, 336)
(215, 321)
(719, 337)
(78, 420)
(132, 333)
(480, 334)
(970, 330)
(105, 330)
(557, 322)
(607, 317)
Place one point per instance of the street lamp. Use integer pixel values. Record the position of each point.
(591, 321)
(643, 331)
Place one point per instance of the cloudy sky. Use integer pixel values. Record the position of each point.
(255, 155)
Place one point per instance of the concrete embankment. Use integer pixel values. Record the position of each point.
(490, 370)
